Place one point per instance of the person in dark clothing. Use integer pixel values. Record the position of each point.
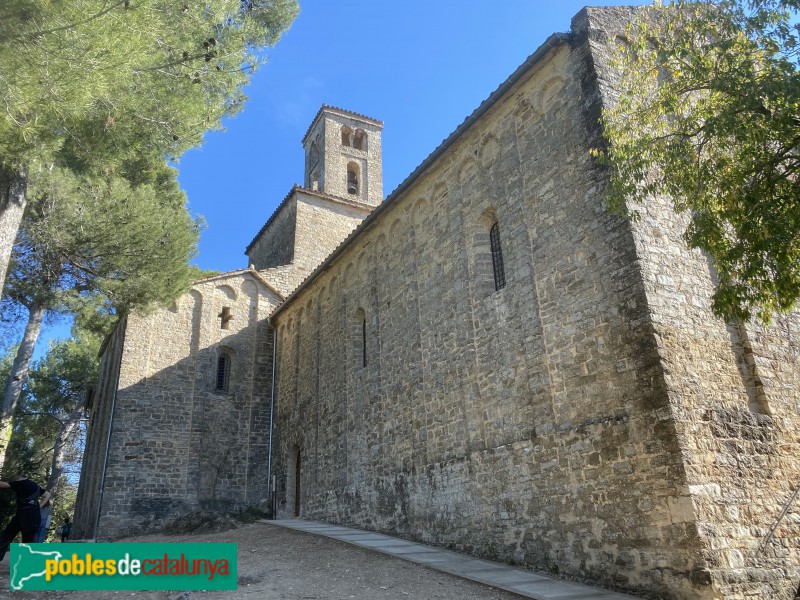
(28, 518)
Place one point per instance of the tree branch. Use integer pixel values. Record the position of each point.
(181, 61)
(72, 25)
(42, 414)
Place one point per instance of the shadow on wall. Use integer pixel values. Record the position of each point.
(193, 436)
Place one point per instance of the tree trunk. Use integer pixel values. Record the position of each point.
(13, 197)
(67, 428)
(17, 376)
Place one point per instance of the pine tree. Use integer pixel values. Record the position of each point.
(89, 85)
(98, 243)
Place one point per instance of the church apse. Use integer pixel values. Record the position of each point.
(190, 423)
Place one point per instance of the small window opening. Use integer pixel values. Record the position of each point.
(497, 257)
(359, 338)
(223, 372)
(312, 165)
(347, 136)
(225, 318)
(313, 154)
(360, 140)
(352, 179)
(364, 342)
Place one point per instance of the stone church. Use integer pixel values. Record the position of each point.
(487, 360)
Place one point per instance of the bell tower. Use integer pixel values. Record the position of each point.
(343, 156)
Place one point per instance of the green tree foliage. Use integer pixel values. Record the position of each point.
(96, 81)
(96, 247)
(26, 454)
(708, 114)
(91, 85)
(45, 442)
(131, 243)
(57, 395)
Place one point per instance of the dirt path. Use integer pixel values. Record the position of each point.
(280, 564)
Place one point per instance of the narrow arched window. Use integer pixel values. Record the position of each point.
(497, 257)
(347, 136)
(225, 317)
(223, 372)
(360, 140)
(364, 342)
(313, 168)
(360, 338)
(352, 178)
(313, 154)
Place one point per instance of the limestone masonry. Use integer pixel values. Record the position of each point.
(487, 360)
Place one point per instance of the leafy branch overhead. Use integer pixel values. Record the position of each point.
(95, 85)
(100, 82)
(708, 114)
(84, 236)
(96, 247)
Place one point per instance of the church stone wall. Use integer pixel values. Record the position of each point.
(322, 224)
(530, 424)
(734, 391)
(284, 278)
(592, 418)
(92, 467)
(307, 228)
(336, 157)
(275, 243)
(177, 444)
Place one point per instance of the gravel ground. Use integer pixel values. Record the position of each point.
(282, 564)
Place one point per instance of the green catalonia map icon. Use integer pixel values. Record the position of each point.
(28, 563)
(123, 566)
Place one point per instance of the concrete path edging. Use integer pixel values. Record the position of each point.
(498, 575)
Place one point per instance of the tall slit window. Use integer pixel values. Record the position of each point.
(313, 170)
(364, 342)
(497, 257)
(359, 339)
(223, 372)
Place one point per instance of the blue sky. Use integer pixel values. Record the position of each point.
(420, 67)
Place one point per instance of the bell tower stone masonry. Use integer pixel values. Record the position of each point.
(343, 155)
(342, 184)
